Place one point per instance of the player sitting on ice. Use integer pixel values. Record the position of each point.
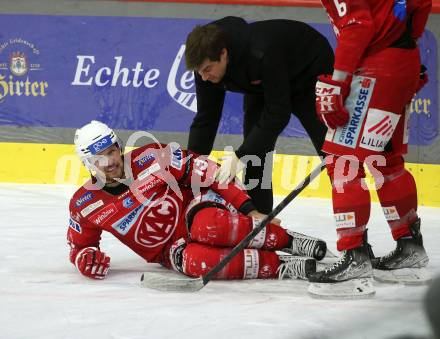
(165, 205)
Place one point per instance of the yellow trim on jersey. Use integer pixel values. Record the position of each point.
(58, 164)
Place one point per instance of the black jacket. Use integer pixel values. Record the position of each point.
(287, 56)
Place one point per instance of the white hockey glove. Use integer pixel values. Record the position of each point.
(229, 168)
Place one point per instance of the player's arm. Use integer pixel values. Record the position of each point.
(420, 18)
(85, 253)
(209, 111)
(354, 28)
(201, 174)
(353, 25)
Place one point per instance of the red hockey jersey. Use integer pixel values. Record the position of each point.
(364, 27)
(149, 214)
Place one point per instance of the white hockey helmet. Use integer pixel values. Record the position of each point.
(92, 139)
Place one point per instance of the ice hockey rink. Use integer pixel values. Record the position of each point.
(42, 295)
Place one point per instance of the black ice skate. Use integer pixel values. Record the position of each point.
(353, 264)
(296, 267)
(350, 277)
(409, 252)
(406, 262)
(307, 246)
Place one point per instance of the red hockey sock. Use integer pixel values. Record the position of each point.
(398, 196)
(219, 227)
(351, 203)
(199, 259)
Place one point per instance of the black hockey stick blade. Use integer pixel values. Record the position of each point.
(181, 283)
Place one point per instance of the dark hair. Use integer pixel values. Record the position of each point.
(204, 42)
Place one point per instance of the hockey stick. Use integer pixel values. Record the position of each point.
(182, 283)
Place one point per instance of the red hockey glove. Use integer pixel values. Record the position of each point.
(330, 97)
(423, 78)
(92, 263)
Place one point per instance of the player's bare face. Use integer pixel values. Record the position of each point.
(110, 163)
(214, 71)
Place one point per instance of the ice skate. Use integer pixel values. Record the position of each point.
(307, 246)
(295, 267)
(404, 264)
(350, 277)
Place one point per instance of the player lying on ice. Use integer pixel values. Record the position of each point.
(169, 210)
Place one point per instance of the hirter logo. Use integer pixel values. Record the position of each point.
(158, 223)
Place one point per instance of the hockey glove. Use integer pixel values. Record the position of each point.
(330, 97)
(92, 263)
(423, 78)
(176, 255)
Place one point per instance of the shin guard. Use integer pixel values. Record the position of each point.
(398, 196)
(219, 227)
(351, 202)
(199, 259)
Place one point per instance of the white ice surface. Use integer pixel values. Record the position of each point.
(42, 296)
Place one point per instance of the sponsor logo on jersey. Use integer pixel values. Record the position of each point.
(123, 195)
(177, 159)
(150, 170)
(84, 198)
(145, 160)
(127, 202)
(210, 196)
(378, 130)
(158, 223)
(391, 213)
(74, 225)
(357, 106)
(149, 185)
(345, 219)
(123, 225)
(100, 145)
(251, 264)
(90, 208)
(102, 215)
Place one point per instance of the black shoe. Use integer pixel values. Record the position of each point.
(307, 246)
(409, 252)
(354, 264)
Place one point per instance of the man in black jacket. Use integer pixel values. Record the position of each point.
(275, 63)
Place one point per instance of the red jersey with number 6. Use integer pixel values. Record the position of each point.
(364, 27)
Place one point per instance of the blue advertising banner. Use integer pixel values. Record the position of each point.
(63, 71)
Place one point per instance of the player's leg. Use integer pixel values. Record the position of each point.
(398, 196)
(257, 178)
(351, 208)
(195, 260)
(220, 227)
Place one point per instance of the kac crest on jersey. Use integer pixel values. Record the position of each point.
(158, 223)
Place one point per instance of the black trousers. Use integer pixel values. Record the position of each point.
(303, 106)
